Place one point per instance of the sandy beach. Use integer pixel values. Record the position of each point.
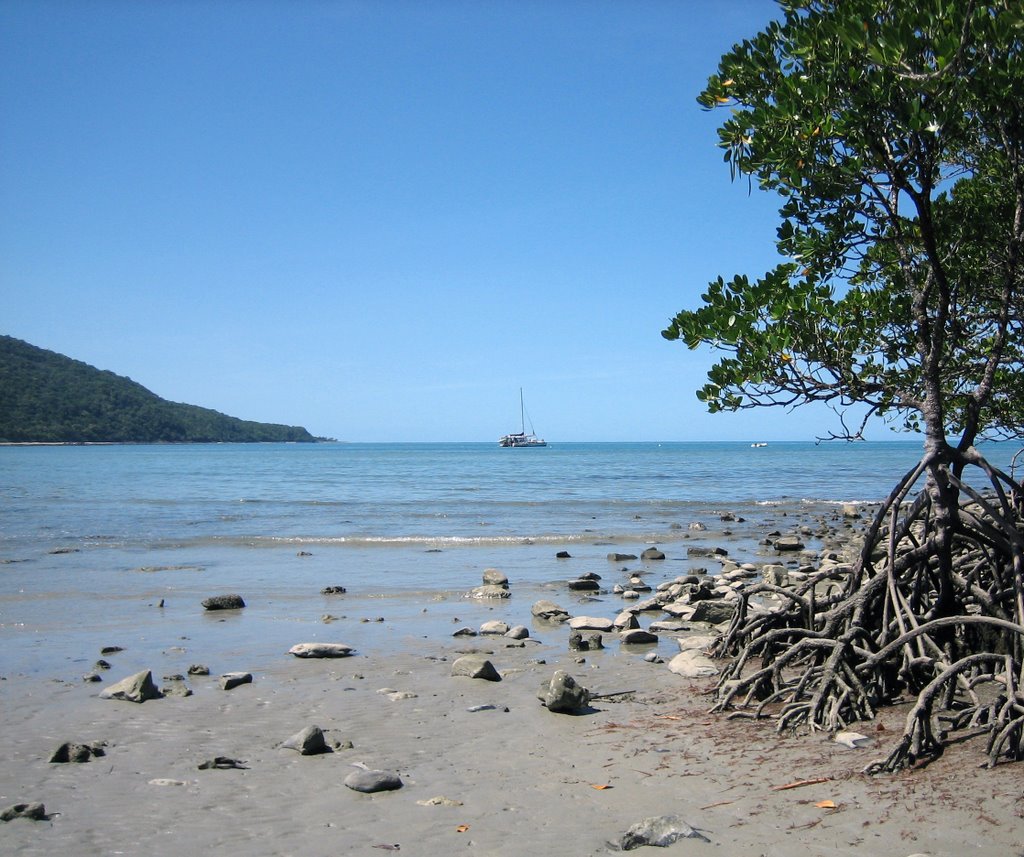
(486, 768)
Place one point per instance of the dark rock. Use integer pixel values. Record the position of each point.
(333, 590)
(72, 752)
(637, 636)
(31, 811)
(621, 557)
(563, 694)
(563, 555)
(475, 666)
(222, 763)
(309, 742)
(583, 584)
(102, 664)
(224, 602)
(369, 782)
(594, 642)
(713, 611)
(788, 543)
(577, 643)
(652, 554)
(228, 681)
(110, 650)
(198, 669)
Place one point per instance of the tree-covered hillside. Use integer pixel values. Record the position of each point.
(46, 397)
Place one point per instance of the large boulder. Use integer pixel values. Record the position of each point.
(563, 694)
(475, 666)
(135, 688)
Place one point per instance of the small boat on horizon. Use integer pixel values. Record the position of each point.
(521, 438)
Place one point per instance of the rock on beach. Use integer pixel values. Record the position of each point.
(563, 694)
(224, 602)
(135, 688)
(369, 782)
(475, 666)
(321, 650)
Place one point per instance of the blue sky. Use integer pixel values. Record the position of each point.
(380, 219)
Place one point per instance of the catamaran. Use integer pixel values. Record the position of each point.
(521, 438)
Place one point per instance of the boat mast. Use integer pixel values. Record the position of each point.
(522, 412)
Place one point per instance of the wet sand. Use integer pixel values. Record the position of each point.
(527, 779)
(518, 779)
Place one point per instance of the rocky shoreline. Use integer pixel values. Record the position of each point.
(570, 718)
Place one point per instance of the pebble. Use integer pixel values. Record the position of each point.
(369, 782)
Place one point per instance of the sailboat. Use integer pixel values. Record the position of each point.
(521, 438)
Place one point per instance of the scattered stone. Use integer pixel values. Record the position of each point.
(135, 688)
(669, 626)
(696, 642)
(489, 590)
(439, 801)
(399, 695)
(333, 590)
(309, 742)
(653, 658)
(31, 811)
(228, 681)
(714, 612)
(198, 669)
(111, 650)
(775, 575)
(494, 627)
(493, 577)
(659, 831)
(177, 688)
(222, 763)
(594, 642)
(591, 623)
(164, 781)
(584, 584)
(563, 694)
(563, 555)
(475, 666)
(321, 650)
(72, 752)
(637, 636)
(692, 664)
(369, 782)
(518, 632)
(621, 557)
(788, 543)
(577, 643)
(549, 612)
(853, 740)
(102, 664)
(93, 677)
(652, 554)
(625, 621)
(224, 602)
(465, 632)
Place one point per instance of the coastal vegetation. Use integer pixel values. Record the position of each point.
(49, 398)
(892, 130)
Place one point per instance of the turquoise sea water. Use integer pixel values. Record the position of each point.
(92, 538)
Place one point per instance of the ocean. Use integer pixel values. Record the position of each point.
(94, 538)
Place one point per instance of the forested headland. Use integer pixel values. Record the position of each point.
(46, 397)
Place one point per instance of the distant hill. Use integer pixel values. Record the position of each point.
(46, 397)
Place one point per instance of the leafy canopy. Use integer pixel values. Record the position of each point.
(893, 131)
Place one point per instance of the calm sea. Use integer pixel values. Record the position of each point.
(92, 537)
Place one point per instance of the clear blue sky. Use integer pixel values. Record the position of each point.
(379, 219)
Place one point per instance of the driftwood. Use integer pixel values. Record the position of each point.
(933, 609)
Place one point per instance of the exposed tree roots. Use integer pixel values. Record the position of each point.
(933, 609)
